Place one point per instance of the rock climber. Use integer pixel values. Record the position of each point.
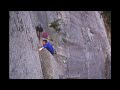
(48, 46)
(39, 30)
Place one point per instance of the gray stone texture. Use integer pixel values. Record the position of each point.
(85, 50)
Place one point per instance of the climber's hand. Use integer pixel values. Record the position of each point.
(41, 48)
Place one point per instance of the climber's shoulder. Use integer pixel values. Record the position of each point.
(48, 43)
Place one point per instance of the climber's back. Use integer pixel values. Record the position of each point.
(48, 46)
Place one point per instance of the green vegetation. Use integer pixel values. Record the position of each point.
(107, 21)
(55, 25)
(107, 14)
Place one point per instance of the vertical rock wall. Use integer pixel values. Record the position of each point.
(85, 47)
(24, 61)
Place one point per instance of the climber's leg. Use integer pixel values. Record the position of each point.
(39, 35)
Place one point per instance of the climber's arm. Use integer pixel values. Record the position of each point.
(41, 48)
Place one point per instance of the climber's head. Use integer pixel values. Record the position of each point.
(44, 35)
(44, 42)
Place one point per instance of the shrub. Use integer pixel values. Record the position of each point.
(55, 24)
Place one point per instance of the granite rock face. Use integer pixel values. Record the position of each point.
(49, 65)
(24, 61)
(82, 42)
